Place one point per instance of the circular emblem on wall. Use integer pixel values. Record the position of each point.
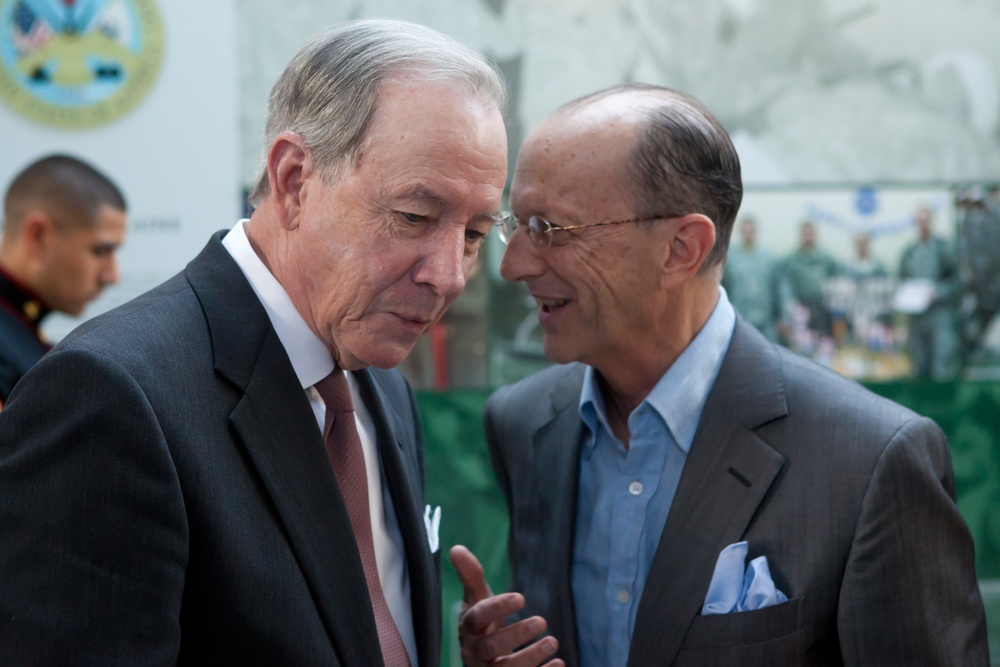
(78, 63)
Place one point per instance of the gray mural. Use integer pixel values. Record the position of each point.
(813, 92)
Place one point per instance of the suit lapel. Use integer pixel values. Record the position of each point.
(725, 478)
(277, 428)
(403, 477)
(557, 445)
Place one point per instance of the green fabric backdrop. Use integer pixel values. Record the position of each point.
(460, 479)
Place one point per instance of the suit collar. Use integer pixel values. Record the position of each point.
(556, 447)
(727, 474)
(237, 322)
(750, 383)
(273, 414)
(309, 355)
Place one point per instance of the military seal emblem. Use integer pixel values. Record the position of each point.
(78, 64)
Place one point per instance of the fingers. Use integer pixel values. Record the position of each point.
(536, 654)
(482, 629)
(470, 573)
(491, 613)
(496, 647)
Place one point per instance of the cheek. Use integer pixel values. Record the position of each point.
(383, 272)
(79, 274)
(367, 286)
(594, 275)
(95, 267)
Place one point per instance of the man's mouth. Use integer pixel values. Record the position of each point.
(547, 305)
(421, 320)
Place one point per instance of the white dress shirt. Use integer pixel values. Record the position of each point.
(312, 361)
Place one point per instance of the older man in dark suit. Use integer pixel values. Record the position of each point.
(684, 492)
(185, 480)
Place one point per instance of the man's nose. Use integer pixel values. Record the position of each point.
(521, 259)
(445, 264)
(109, 272)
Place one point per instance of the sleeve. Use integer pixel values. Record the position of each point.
(909, 594)
(94, 543)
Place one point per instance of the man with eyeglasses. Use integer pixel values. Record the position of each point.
(682, 491)
(227, 470)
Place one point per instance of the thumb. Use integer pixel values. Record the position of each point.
(470, 573)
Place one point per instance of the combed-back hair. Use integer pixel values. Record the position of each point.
(329, 91)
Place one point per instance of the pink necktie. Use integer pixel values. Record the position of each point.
(344, 449)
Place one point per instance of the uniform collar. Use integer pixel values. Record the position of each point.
(22, 302)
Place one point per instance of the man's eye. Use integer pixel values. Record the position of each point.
(412, 217)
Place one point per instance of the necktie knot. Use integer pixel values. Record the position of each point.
(335, 392)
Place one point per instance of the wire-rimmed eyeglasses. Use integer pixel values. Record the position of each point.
(543, 233)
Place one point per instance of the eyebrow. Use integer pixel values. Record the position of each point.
(425, 193)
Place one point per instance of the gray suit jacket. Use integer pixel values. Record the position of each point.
(849, 496)
(166, 497)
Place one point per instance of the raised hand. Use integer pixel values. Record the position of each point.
(483, 632)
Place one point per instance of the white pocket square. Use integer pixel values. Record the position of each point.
(734, 589)
(432, 522)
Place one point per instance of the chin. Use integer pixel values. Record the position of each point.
(387, 356)
(557, 354)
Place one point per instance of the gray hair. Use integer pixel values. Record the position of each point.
(683, 161)
(329, 92)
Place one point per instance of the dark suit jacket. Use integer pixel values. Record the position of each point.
(848, 495)
(165, 495)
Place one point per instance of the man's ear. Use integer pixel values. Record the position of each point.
(289, 163)
(691, 241)
(37, 232)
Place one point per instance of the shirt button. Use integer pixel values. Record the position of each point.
(635, 488)
(623, 596)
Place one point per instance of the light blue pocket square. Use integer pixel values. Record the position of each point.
(732, 589)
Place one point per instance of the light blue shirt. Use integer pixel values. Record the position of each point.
(625, 494)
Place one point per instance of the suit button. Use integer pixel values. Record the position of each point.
(623, 596)
(635, 488)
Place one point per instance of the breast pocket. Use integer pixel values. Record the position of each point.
(763, 636)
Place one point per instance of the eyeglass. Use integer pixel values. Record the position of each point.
(543, 233)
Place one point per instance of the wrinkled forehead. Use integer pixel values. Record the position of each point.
(567, 172)
(574, 150)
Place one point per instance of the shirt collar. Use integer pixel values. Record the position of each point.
(310, 357)
(680, 395)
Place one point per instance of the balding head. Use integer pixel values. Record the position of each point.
(680, 159)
